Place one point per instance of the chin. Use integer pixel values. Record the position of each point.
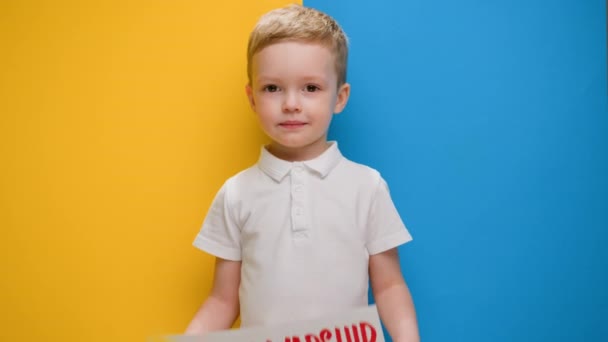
(289, 143)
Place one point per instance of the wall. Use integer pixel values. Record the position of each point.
(488, 120)
(116, 118)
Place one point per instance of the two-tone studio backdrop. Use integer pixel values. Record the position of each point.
(119, 121)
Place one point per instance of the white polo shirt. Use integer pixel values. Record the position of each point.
(304, 232)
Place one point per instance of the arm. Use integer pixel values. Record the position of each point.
(392, 296)
(221, 308)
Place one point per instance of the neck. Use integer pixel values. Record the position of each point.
(297, 154)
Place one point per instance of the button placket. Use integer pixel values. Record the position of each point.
(298, 201)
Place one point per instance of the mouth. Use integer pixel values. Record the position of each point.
(292, 124)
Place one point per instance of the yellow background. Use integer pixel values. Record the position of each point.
(119, 120)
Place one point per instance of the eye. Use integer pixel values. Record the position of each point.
(312, 88)
(271, 88)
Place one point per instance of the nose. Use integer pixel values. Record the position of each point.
(291, 102)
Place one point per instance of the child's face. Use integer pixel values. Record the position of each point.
(294, 94)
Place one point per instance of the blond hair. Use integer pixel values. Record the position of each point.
(304, 24)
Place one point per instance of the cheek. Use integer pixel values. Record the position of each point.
(265, 116)
(264, 103)
(324, 105)
(264, 112)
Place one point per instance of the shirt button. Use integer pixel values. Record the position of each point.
(298, 188)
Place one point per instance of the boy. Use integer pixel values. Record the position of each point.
(299, 235)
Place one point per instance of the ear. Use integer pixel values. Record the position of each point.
(342, 98)
(249, 92)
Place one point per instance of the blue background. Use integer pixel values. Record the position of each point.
(489, 121)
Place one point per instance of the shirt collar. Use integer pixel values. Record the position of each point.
(277, 168)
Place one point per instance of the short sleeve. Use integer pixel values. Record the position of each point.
(220, 235)
(385, 229)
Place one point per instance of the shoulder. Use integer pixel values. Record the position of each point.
(360, 173)
(243, 176)
(247, 185)
(241, 181)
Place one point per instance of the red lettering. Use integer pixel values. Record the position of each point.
(312, 338)
(325, 335)
(363, 332)
(338, 335)
(368, 332)
(347, 333)
(356, 333)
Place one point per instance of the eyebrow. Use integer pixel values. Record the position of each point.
(312, 78)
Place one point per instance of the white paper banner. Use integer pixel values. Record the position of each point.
(361, 325)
